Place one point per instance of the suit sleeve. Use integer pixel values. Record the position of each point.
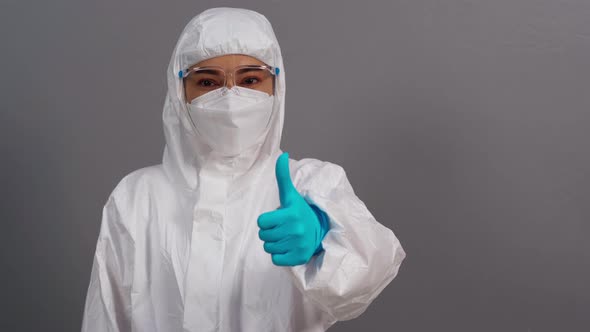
(108, 300)
(361, 256)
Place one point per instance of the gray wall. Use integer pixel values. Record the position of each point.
(463, 125)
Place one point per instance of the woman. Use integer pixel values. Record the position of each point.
(228, 233)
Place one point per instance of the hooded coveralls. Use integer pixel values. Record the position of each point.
(178, 248)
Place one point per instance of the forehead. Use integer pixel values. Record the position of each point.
(229, 61)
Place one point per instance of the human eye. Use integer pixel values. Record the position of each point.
(252, 80)
(206, 79)
(251, 77)
(207, 83)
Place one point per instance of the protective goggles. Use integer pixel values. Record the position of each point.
(204, 79)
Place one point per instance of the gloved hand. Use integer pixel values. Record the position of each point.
(293, 233)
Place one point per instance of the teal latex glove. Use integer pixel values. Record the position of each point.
(293, 233)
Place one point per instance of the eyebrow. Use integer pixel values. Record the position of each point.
(206, 71)
(245, 70)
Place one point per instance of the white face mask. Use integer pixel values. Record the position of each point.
(231, 120)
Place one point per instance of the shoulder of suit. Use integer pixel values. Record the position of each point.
(310, 170)
(138, 183)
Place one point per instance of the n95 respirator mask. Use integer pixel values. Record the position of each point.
(231, 120)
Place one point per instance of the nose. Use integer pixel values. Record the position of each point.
(229, 81)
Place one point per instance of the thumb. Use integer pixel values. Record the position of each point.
(284, 179)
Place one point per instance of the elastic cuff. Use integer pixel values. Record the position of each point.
(324, 226)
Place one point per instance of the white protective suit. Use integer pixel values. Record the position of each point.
(178, 248)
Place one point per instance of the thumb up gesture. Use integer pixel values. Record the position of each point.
(293, 233)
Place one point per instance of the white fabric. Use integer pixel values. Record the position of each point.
(178, 248)
(231, 120)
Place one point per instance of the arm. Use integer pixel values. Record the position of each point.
(108, 301)
(360, 257)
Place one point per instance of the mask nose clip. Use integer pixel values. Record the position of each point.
(224, 91)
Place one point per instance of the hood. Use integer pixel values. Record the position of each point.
(212, 33)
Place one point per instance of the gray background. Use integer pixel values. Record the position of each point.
(463, 125)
